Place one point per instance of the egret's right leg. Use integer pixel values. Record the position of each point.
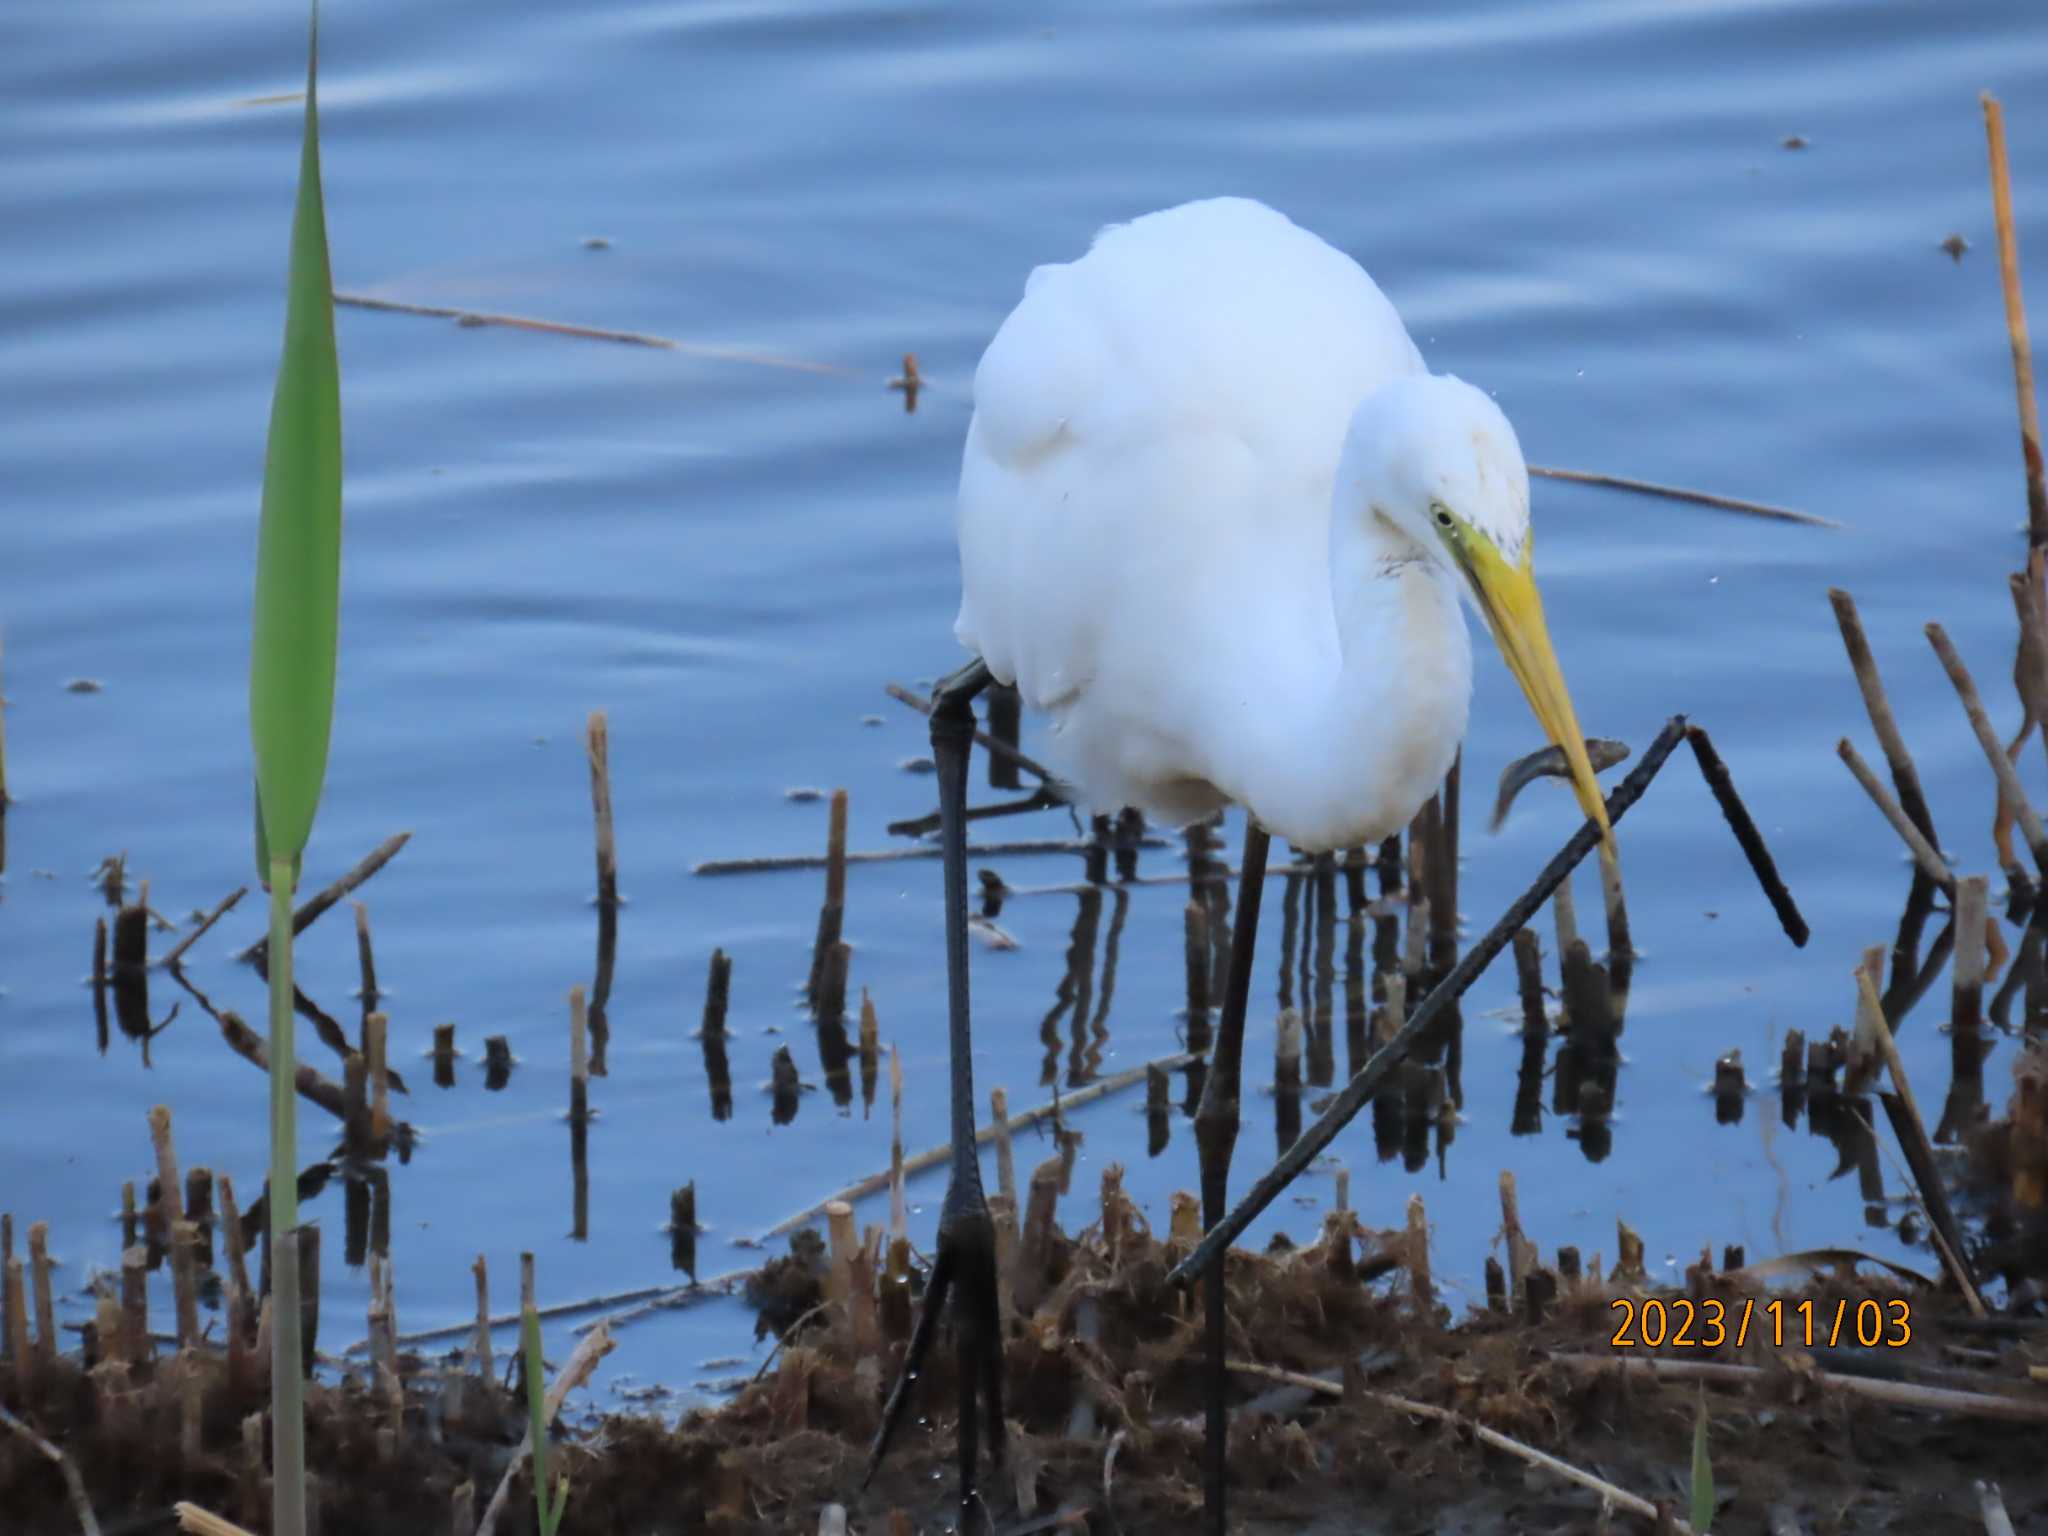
(1216, 1122)
(967, 1245)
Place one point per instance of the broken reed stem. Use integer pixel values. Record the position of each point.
(1565, 915)
(480, 1339)
(1991, 1509)
(7, 1288)
(1418, 1258)
(831, 915)
(597, 742)
(227, 905)
(1521, 1252)
(39, 1283)
(1006, 1158)
(1923, 852)
(317, 906)
(1366, 1082)
(590, 1349)
(195, 1521)
(241, 1299)
(16, 1322)
(74, 1485)
(375, 1028)
(899, 1207)
(932, 1157)
(835, 852)
(1751, 841)
(2001, 766)
(1620, 1497)
(1919, 1155)
(170, 1202)
(2016, 320)
(1876, 704)
(366, 960)
(1973, 900)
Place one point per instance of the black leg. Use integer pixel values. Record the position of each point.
(1216, 1124)
(967, 1245)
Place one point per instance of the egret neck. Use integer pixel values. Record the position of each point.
(1376, 718)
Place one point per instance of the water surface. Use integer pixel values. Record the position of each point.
(1585, 207)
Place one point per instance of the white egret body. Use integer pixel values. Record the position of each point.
(1214, 517)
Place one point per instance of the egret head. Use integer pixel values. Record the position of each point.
(1434, 459)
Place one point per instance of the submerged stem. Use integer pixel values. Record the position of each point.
(287, 1398)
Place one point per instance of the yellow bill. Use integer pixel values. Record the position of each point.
(1514, 612)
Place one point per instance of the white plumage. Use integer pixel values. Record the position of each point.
(1214, 517)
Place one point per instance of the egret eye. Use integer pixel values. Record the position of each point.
(1443, 515)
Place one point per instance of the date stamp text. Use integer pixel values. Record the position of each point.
(1682, 1323)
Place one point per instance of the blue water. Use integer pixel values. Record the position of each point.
(1585, 207)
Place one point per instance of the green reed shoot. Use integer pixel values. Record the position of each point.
(548, 1503)
(291, 710)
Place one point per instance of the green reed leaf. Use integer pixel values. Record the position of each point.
(298, 551)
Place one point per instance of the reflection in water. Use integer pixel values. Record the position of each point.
(784, 1087)
(870, 1054)
(1286, 1081)
(1837, 1105)
(1075, 985)
(1158, 1111)
(711, 1035)
(1086, 1062)
(1731, 1089)
(497, 1063)
(835, 1054)
(682, 1230)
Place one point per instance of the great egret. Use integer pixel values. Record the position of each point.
(1215, 517)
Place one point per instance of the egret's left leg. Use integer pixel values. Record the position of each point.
(967, 1246)
(1216, 1122)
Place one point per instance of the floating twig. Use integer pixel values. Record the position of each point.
(787, 861)
(1323, 1386)
(1902, 1394)
(995, 746)
(2016, 320)
(666, 1298)
(1923, 852)
(1216, 876)
(1046, 797)
(311, 911)
(1674, 493)
(473, 317)
(934, 1156)
(717, 1285)
(1766, 868)
(227, 905)
(1366, 1082)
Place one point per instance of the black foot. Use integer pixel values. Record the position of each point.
(966, 1260)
